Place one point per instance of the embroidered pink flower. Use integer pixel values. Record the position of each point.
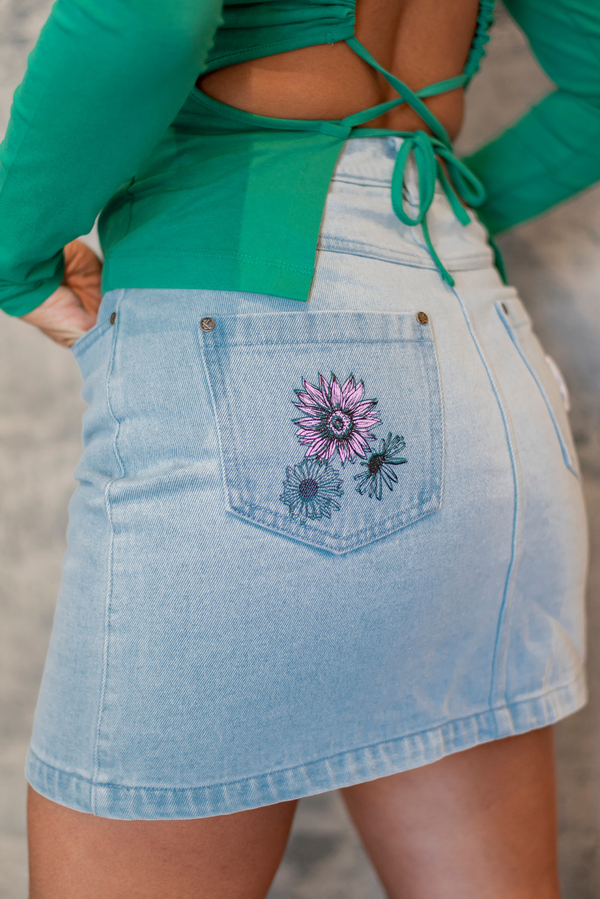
(335, 419)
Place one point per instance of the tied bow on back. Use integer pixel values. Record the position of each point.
(459, 181)
(433, 154)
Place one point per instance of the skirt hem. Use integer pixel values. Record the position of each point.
(344, 769)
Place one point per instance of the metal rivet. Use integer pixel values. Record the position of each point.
(113, 318)
(504, 309)
(422, 318)
(207, 324)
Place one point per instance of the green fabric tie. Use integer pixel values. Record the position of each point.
(427, 150)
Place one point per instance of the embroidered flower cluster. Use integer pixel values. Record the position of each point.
(337, 420)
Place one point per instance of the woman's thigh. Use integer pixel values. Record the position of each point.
(73, 855)
(479, 824)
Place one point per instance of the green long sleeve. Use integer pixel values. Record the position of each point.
(551, 153)
(103, 82)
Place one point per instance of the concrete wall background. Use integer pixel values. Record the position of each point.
(555, 263)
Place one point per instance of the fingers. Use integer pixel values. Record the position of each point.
(72, 309)
(83, 275)
(62, 317)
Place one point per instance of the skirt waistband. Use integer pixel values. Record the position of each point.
(371, 159)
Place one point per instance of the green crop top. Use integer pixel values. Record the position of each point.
(197, 194)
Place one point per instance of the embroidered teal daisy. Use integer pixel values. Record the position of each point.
(379, 467)
(311, 490)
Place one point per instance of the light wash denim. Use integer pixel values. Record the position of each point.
(313, 544)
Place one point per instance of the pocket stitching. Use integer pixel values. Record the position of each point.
(569, 462)
(373, 534)
(332, 541)
(93, 334)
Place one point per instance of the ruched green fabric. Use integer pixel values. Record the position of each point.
(254, 28)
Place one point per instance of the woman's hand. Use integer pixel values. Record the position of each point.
(73, 307)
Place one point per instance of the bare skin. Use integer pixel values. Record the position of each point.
(77, 856)
(479, 824)
(73, 308)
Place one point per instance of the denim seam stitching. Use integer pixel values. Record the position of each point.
(517, 518)
(352, 248)
(409, 736)
(99, 332)
(569, 463)
(225, 456)
(361, 341)
(109, 563)
(442, 417)
(215, 417)
(368, 534)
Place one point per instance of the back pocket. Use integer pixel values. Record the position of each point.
(330, 423)
(517, 322)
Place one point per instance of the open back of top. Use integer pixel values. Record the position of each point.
(264, 180)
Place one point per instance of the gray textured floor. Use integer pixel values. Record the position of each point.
(556, 265)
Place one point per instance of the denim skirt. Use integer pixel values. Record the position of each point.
(313, 544)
